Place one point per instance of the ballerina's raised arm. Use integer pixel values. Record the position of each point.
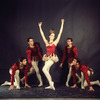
(42, 33)
(60, 32)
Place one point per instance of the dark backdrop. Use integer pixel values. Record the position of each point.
(19, 20)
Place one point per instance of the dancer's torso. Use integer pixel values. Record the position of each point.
(50, 48)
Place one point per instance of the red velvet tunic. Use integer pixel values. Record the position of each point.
(70, 53)
(83, 69)
(33, 53)
(16, 67)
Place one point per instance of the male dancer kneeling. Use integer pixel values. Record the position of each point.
(15, 70)
(85, 73)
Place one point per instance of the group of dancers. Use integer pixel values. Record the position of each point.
(33, 54)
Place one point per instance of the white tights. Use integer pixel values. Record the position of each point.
(69, 76)
(35, 67)
(16, 78)
(46, 70)
(84, 82)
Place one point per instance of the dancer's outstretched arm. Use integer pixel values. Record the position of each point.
(42, 33)
(60, 32)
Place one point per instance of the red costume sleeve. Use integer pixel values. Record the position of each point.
(73, 74)
(39, 53)
(64, 55)
(29, 57)
(25, 73)
(85, 70)
(75, 52)
(13, 68)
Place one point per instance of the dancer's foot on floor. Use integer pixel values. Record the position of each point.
(5, 83)
(52, 85)
(67, 84)
(98, 83)
(48, 87)
(41, 84)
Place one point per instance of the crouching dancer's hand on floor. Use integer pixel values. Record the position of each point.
(11, 87)
(91, 89)
(26, 85)
(74, 86)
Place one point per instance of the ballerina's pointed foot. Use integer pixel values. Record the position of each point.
(48, 87)
(52, 85)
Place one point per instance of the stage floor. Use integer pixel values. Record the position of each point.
(37, 93)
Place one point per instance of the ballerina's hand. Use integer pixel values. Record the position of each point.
(40, 24)
(62, 20)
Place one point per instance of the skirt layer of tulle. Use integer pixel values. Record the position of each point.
(52, 57)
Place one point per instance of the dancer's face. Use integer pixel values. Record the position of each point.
(24, 62)
(31, 42)
(52, 36)
(77, 66)
(69, 42)
(74, 62)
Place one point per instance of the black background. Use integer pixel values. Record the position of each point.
(19, 20)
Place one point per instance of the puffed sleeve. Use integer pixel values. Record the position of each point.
(75, 52)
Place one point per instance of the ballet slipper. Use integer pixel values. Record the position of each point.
(52, 85)
(48, 87)
(5, 83)
(41, 84)
(67, 84)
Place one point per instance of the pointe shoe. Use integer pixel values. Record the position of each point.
(41, 84)
(52, 85)
(67, 84)
(48, 87)
(5, 83)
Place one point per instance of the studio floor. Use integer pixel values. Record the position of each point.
(37, 93)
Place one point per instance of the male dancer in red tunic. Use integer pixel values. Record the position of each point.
(15, 74)
(33, 54)
(85, 73)
(69, 52)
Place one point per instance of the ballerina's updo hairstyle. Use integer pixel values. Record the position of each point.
(51, 31)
